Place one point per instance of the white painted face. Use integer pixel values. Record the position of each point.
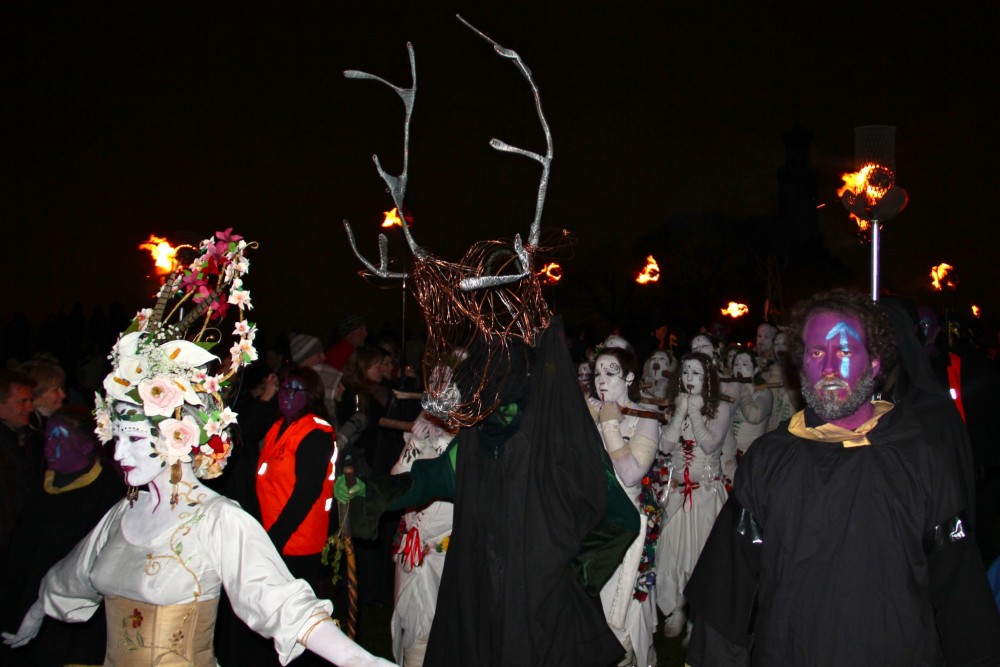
(780, 344)
(765, 338)
(610, 380)
(134, 442)
(584, 373)
(618, 342)
(743, 366)
(704, 345)
(692, 377)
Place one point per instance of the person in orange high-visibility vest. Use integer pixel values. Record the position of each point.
(295, 474)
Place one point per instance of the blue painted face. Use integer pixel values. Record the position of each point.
(292, 398)
(66, 449)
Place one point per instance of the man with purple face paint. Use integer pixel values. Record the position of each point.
(76, 492)
(845, 540)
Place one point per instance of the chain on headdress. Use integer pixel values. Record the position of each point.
(478, 309)
(160, 362)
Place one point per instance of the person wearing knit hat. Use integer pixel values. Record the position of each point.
(303, 347)
(353, 332)
(307, 351)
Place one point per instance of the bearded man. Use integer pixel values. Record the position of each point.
(844, 542)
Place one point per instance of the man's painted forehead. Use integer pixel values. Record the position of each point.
(841, 329)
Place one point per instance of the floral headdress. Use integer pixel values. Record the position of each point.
(160, 368)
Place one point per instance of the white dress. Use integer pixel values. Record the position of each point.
(753, 409)
(632, 620)
(419, 560)
(695, 497)
(213, 544)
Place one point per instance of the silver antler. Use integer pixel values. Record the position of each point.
(524, 257)
(397, 184)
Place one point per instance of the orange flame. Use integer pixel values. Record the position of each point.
(863, 225)
(392, 219)
(975, 311)
(939, 273)
(650, 273)
(735, 310)
(164, 255)
(551, 273)
(873, 181)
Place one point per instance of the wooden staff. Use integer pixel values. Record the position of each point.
(352, 563)
(407, 395)
(395, 424)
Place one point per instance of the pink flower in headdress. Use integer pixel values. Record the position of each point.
(227, 237)
(202, 293)
(177, 438)
(160, 396)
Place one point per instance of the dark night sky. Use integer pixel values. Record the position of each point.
(178, 119)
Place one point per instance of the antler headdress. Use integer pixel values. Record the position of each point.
(480, 307)
(159, 363)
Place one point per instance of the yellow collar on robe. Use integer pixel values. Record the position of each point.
(833, 433)
(78, 483)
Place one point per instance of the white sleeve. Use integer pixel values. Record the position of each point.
(263, 593)
(66, 591)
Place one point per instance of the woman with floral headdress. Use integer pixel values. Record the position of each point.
(699, 423)
(160, 558)
(631, 441)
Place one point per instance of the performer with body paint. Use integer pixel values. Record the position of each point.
(844, 541)
(696, 492)
(753, 408)
(631, 441)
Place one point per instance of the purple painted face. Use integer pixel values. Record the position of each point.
(837, 370)
(66, 449)
(292, 399)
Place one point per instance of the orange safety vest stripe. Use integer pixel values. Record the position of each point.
(276, 481)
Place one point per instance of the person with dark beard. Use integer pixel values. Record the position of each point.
(845, 539)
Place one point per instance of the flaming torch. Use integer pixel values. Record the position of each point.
(551, 273)
(650, 273)
(164, 255)
(392, 219)
(871, 193)
(939, 277)
(735, 310)
(976, 312)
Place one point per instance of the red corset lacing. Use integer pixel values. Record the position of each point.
(411, 552)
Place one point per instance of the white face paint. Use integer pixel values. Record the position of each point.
(704, 345)
(780, 344)
(584, 373)
(134, 442)
(692, 377)
(617, 342)
(609, 379)
(765, 339)
(742, 366)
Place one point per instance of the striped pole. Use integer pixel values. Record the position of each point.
(352, 564)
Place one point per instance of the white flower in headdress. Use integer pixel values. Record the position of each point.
(213, 427)
(241, 298)
(211, 384)
(160, 396)
(102, 417)
(227, 416)
(177, 438)
(186, 354)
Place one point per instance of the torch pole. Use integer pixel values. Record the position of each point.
(876, 237)
(352, 563)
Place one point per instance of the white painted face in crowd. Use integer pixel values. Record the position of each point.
(780, 344)
(610, 379)
(134, 441)
(584, 373)
(656, 373)
(703, 344)
(618, 342)
(743, 365)
(692, 377)
(765, 339)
